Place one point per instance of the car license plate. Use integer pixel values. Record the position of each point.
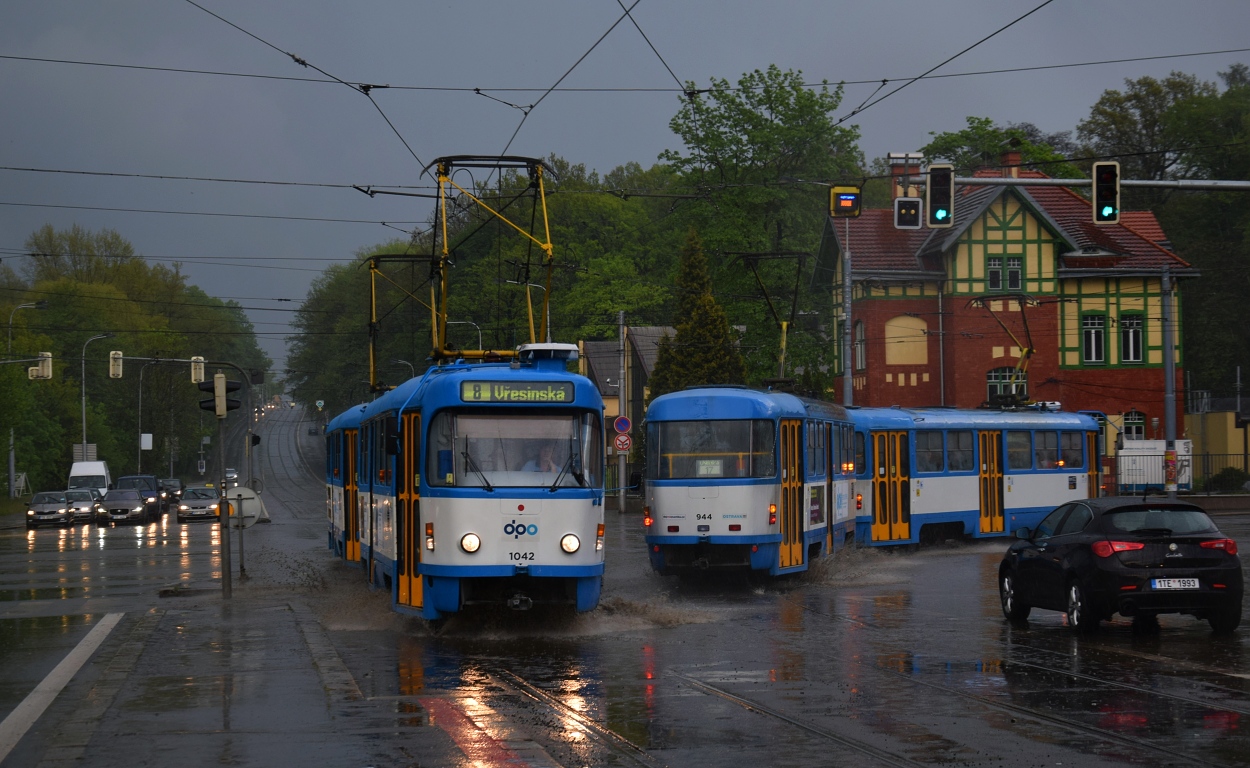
(1174, 583)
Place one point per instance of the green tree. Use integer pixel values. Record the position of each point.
(983, 142)
(705, 349)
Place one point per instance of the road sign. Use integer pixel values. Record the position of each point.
(320, 404)
(623, 442)
(622, 425)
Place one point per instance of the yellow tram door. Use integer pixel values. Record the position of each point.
(1091, 465)
(351, 502)
(891, 486)
(990, 445)
(409, 554)
(791, 494)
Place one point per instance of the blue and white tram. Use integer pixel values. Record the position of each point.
(926, 473)
(743, 479)
(477, 483)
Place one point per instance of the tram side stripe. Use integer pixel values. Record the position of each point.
(37, 701)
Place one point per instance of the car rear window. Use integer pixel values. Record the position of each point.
(1175, 520)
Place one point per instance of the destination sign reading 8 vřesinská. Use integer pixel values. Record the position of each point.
(516, 392)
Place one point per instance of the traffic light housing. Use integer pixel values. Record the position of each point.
(939, 194)
(220, 386)
(907, 212)
(43, 370)
(1106, 192)
(197, 370)
(845, 202)
(115, 364)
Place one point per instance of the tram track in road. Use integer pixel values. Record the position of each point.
(283, 465)
(1033, 713)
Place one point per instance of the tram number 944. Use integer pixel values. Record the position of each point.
(520, 555)
(703, 517)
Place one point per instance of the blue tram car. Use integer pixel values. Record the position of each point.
(738, 478)
(923, 474)
(476, 483)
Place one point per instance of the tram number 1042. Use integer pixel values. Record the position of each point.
(520, 555)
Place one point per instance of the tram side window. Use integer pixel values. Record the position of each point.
(815, 449)
(860, 462)
(959, 450)
(1046, 449)
(1019, 450)
(1071, 449)
(929, 451)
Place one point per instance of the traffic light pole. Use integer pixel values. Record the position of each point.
(223, 509)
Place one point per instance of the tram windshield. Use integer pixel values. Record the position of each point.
(710, 449)
(490, 450)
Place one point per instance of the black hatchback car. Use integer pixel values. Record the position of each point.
(1137, 557)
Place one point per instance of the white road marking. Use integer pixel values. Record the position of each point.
(32, 707)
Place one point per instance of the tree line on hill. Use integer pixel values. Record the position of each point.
(84, 284)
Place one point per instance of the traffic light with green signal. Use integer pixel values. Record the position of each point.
(939, 194)
(1106, 192)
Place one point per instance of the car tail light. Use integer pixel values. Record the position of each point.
(1108, 548)
(1228, 545)
(772, 514)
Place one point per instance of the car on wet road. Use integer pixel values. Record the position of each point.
(1138, 557)
(232, 477)
(126, 505)
(82, 503)
(153, 495)
(173, 488)
(198, 503)
(48, 508)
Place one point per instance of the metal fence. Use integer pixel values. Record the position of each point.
(1200, 473)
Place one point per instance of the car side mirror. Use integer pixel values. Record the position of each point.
(1024, 533)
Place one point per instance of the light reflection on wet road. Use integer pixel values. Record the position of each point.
(874, 658)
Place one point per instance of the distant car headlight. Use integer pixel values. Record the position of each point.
(151, 499)
(62, 511)
(183, 507)
(212, 506)
(30, 511)
(137, 509)
(570, 543)
(470, 543)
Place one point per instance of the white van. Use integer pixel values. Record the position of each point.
(90, 474)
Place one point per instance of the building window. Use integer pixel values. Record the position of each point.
(999, 383)
(1134, 425)
(1130, 338)
(1092, 339)
(906, 341)
(994, 273)
(1015, 270)
(860, 347)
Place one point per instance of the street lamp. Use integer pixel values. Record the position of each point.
(12, 432)
(410, 366)
(84, 389)
(546, 303)
(469, 322)
(35, 305)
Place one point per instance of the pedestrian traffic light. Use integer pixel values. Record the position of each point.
(907, 212)
(197, 369)
(844, 202)
(939, 195)
(115, 364)
(219, 386)
(1106, 192)
(43, 370)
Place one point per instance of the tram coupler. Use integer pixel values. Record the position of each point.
(520, 602)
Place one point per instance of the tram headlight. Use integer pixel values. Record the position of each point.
(570, 543)
(470, 543)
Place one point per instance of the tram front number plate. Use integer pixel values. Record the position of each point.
(1174, 583)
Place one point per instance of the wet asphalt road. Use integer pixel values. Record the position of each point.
(874, 658)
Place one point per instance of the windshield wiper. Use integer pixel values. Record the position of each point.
(577, 473)
(473, 466)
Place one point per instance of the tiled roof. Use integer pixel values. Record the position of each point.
(646, 340)
(1137, 243)
(603, 362)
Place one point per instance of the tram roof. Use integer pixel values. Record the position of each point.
(969, 418)
(734, 402)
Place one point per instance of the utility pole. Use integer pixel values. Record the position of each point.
(1169, 388)
(621, 405)
(847, 376)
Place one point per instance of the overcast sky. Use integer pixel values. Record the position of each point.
(132, 119)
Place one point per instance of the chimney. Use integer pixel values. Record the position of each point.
(1011, 160)
(905, 172)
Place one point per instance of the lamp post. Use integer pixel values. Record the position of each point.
(12, 432)
(84, 389)
(546, 304)
(469, 322)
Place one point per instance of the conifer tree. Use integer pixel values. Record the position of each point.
(705, 349)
